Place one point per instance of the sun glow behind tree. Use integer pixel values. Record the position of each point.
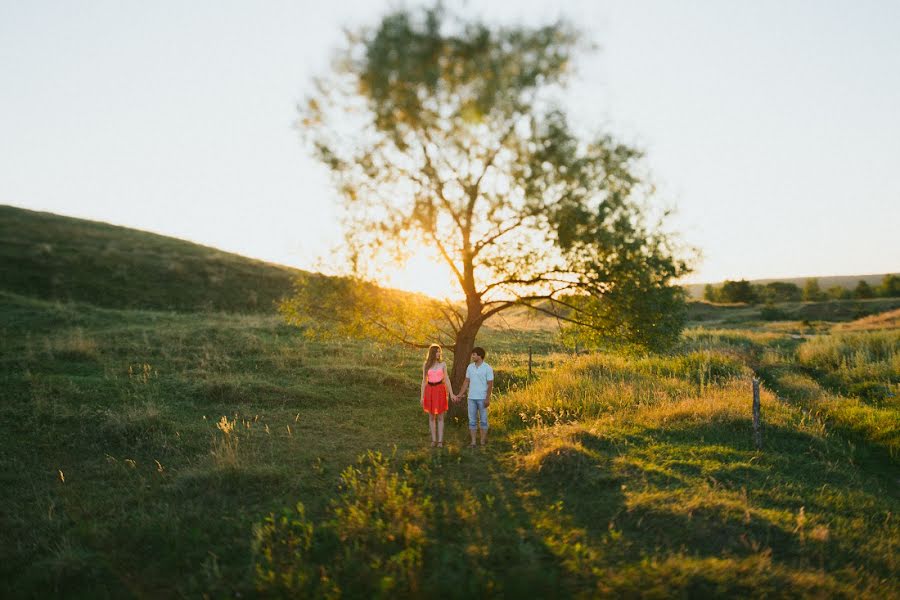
(447, 134)
(423, 272)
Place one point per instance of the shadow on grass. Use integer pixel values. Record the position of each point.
(704, 487)
(874, 455)
(485, 542)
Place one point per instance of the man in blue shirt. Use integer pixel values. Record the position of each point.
(479, 383)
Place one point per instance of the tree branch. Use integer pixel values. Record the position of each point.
(474, 189)
(503, 306)
(482, 244)
(449, 316)
(396, 335)
(532, 281)
(476, 186)
(556, 314)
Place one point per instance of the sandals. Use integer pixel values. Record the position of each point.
(440, 444)
(433, 444)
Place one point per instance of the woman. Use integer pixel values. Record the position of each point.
(435, 388)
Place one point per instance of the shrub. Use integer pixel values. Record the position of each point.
(282, 547)
(374, 539)
(770, 313)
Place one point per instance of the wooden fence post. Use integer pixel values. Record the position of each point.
(757, 420)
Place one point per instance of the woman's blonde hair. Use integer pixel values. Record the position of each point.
(431, 357)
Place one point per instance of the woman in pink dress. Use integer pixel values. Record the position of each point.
(435, 388)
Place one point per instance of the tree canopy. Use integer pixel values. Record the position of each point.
(447, 133)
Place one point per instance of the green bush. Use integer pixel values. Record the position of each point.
(771, 313)
(372, 545)
(282, 547)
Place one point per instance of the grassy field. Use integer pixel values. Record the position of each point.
(146, 450)
(152, 453)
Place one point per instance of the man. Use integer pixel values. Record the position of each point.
(479, 383)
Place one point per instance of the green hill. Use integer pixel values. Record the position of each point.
(53, 257)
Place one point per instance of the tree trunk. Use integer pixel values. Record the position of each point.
(462, 352)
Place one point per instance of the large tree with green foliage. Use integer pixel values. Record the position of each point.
(445, 133)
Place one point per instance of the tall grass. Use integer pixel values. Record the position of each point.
(862, 364)
(594, 386)
(853, 350)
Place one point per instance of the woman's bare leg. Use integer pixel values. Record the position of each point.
(440, 428)
(431, 427)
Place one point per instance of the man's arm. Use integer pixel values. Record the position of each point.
(487, 400)
(463, 389)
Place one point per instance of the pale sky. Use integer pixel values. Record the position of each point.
(772, 126)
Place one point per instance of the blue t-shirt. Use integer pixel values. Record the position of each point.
(478, 380)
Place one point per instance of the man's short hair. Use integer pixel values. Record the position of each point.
(479, 351)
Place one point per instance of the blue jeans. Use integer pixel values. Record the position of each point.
(476, 406)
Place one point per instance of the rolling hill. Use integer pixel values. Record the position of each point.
(52, 257)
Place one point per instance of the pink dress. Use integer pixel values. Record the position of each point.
(435, 398)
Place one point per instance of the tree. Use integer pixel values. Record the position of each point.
(710, 293)
(811, 290)
(863, 290)
(837, 292)
(444, 133)
(781, 291)
(890, 286)
(738, 291)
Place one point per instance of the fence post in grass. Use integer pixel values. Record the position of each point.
(529, 363)
(757, 424)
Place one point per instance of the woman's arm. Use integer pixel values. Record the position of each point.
(422, 392)
(447, 380)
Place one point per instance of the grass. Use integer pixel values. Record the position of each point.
(201, 453)
(884, 320)
(60, 258)
(153, 453)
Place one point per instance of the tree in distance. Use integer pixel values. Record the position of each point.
(811, 290)
(780, 291)
(445, 133)
(837, 292)
(890, 286)
(863, 290)
(736, 291)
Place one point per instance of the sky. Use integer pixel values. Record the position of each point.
(772, 127)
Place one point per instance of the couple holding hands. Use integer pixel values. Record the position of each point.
(436, 385)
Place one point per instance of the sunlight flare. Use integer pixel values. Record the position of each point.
(423, 272)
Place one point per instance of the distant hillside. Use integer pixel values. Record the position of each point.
(695, 290)
(827, 310)
(61, 258)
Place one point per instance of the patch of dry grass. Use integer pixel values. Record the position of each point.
(885, 320)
